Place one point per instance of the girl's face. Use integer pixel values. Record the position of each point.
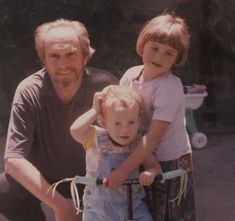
(122, 123)
(158, 59)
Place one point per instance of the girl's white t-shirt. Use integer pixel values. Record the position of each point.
(163, 100)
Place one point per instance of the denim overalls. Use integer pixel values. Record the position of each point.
(104, 204)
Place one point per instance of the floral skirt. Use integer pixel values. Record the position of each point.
(160, 196)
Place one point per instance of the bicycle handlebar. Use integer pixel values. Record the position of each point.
(160, 177)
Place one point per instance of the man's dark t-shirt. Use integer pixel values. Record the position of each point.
(40, 122)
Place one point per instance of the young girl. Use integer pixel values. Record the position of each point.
(118, 110)
(162, 44)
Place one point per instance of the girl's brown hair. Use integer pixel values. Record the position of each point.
(166, 29)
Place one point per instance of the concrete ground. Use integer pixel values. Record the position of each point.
(214, 175)
(215, 179)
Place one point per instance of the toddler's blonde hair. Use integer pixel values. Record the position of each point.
(115, 95)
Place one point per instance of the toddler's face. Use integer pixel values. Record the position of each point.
(122, 123)
(157, 58)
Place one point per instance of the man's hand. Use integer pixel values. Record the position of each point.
(115, 179)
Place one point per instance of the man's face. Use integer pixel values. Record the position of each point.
(63, 57)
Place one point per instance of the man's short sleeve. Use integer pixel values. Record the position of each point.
(20, 132)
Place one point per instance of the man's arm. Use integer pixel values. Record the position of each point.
(29, 177)
(144, 148)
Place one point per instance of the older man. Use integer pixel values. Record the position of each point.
(39, 147)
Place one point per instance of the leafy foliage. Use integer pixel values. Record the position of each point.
(20, 18)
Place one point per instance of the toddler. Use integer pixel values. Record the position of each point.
(118, 111)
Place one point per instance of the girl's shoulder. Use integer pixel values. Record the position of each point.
(133, 71)
(130, 74)
(174, 77)
(169, 85)
(174, 82)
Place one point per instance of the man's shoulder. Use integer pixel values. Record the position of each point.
(35, 79)
(30, 86)
(101, 76)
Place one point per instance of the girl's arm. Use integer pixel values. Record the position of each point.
(151, 169)
(81, 128)
(144, 148)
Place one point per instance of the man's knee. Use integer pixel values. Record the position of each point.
(5, 196)
(16, 203)
(5, 193)
(4, 184)
(10, 192)
(8, 186)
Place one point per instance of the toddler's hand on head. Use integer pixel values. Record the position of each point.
(97, 101)
(146, 178)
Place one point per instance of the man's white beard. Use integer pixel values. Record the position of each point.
(65, 83)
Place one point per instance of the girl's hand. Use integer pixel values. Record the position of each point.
(146, 178)
(97, 101)
(115, 179)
